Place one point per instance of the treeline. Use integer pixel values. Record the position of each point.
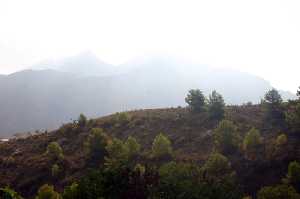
(121, 169)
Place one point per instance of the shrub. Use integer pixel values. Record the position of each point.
(7, 193)
(292, 117)
(216, 106)
(281, 140)
(179, 180)
(95, 145)
(47, 192)
(293, 175)
(71, 192)
(251, 143)
(161, 147)
(133, 147)
(82, 120)
(273, 110)
(54, 151)
(55, 170)
(218, 167)
(117, 154)
(140, 168)
(278, 192)
(121, 119)
(226, 137)
(196, 100)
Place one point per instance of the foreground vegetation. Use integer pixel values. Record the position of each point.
(207, 150)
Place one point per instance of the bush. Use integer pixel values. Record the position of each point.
(196, 100)
(251, 143)
(226, 137)
(278, 192)
(218, 167)
(117, 154)
(7, 193)
(47, 192)
(121, 119)
(54, 151)
(179, 180)
(71, 192)
(293, 175)
(216, 106)
(55, 170)
(273, 110)
(95, 145)
(133, 147)
(82, 120)
(161, 147)
(292, 117)
(281, 140)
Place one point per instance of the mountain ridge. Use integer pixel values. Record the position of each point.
(44, 99)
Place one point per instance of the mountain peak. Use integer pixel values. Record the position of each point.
(86, 63)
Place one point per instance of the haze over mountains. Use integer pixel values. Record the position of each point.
(54, 92)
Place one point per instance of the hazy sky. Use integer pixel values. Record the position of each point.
(257, 36)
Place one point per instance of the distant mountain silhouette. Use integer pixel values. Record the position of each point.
(85, 64)
(61, 90)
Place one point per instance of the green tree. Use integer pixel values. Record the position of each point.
(117, 154)
(161, 147)
(251, 143)
(47, 192)
(96, 145)
(54, 151)
(293, 175)
(133, 147)
(82, 120)
(278, 192)
(226, 137)
(273, 109)
(216, 106)
(196, 100)
(179, 180)
(281, 140)
(55, 170)
(292, 116)
(7, 193)
(218, 167)
(71, 192)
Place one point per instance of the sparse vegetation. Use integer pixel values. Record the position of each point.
(103, 159)
(278, 192)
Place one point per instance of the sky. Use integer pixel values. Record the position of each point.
(261, 37)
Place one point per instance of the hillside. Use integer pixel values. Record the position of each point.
(25, 166)
(58, 92)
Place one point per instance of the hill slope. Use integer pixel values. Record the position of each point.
(24, 165)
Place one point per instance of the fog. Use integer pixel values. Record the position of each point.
(259, 37)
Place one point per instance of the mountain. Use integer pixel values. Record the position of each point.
(46, 98)
(84, 64)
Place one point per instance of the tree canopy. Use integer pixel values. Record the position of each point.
(196, 100)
